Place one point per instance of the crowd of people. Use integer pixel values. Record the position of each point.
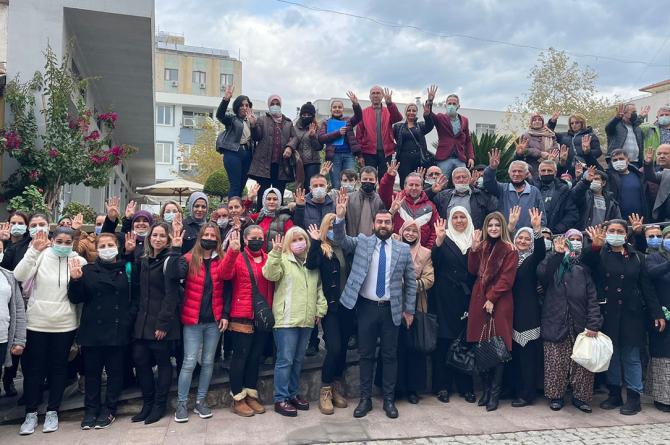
(576, 241)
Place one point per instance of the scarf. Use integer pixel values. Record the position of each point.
(191, 201)
(526, 253)
(665, 253)
(569, 259)
(279, 118)
(413, 248)
(463, 240)
(264, 211)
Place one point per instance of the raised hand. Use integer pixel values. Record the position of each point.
(228, 93)
(597, 235)
(555, 115)
(312, 130)
(177, 237)
(494, 158)
(398, 199)
(590, 173)
(535, 219)
(130, 209)
(387, 96)
(586, 143)
(579, 169)
(440, 184)
(277, 243)
(427, 108)
(440, 231)
(476, 240)
(130, 242)
(649, 155)
(41, 241)
(514, 215)
(5, 232)
(421, 171)
(392, 168)
(560, 245)
(620, 110)
(112, 206)
(341, 205)
(521, 146)
(644, 111)
(178, 221)
(250, 117)
(75, 268)
(563, 154)
(314, 232)
(77, 221)
(234, 241)
(554, 154)
(352, 97)
(299, 196)
(475, 176)
(326, 167)
(432, 91)
(636, 221)
(253, 192)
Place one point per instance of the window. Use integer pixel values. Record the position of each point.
(226, 80)
(481, 129)
(163, 152)
(199, 77)
(171, 74)
(194, 118)
(165, 115)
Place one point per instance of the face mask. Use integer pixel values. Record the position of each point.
(406, 241)
(62, 251)
(347, 187)
(547, 179)
(141, 233)
(168, 217)
(222, 222)
(429, 182)
(666, 244)
(275, 110)
(462, 188)
(18, 229)
(34, 230)
(547, 244)
(255, 244)
(569, 184)
(208, 244)
(330, 235)
(108, 254)
(596, 186)
(633, 116)
(319, 192)
(664, 121)
(306, 121)
(480, 183)
(654, 243)
(98, 230)
(298, 247)
(451, 110)
(368, 187)
(576, 246)
(614, 239)
(619, 165)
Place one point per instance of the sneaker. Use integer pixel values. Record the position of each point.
(28, 425)
(202, 409)
(50, 422)
(88, 422)
(105, 420)
(181, 414)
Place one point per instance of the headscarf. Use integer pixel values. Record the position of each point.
(279, 118)
(542, 132)
(662, 251)
(144, 214)
(191, 202)
(264, 211)
(413, 248)
(570, 258)
(463, 240)
(573, 232)
(528, 252)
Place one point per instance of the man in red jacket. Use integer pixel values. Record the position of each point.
(375, 132)
(410, 203)
(454, 146)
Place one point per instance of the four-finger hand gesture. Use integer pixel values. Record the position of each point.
(112, 206)
(521, 146)
(590, 173)
(555, 115)
(649, 155)
(637, 222)
(387, 96)
(494, 158)
(253, 192)
(432, 91)
(326, 167)
(559, 245)
(229, 92)
(421, 171)
(77, 221)
(398, 199)
(130, 209)
(476, 239)
(644, 111)
(5, 231)
(130, 242)
(352, 97)
(440, 183)
(392, 167)
(440, 231)
(586, 143)
(234, 241)
(299, 196)
(314, 232)
(535, 219)
(597, 235)
(177, 237)
(277, 243)
(514, 215)
(250, 117)
(620, 110)
(41, 241)
(312, 130)
(341, 205)
(75, 268)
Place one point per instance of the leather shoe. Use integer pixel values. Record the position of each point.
(520, 403)
(390, 409)
(556, 404)
(443, 396)
(413, 398)
(285, 409)
(364, 407)
(582, 406)
(662, 407)
(470, 397)
(299, 403)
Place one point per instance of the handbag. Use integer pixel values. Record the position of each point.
(462, 357)
(492, 351)
(264, 320)
(427, 158)
(423, 332)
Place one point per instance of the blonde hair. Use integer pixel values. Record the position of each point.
(175, 203)
(580, 117)
(504, 232)
(326, 245)
(288, 238)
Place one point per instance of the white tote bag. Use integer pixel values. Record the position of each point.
(593, 353)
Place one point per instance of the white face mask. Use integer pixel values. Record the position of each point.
(547, 244)
(480, 183)
(596, 186)
(462, 188)
(319, 192)
(576, 246)
(275, 110)
(108, 254)
(620, 165)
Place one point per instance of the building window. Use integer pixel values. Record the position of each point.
(195, 119)
(226, 80)
(165, 115)
(199, 77)
(482, 129)
(171, 74)
(163, 152)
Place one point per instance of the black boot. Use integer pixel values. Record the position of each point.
(486, 393)
(614, 400)
(146, 410)
(157, 413)
(632, 405)
(496, 387)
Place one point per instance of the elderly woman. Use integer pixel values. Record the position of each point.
(536, 144)
(580, 139)
(276, 142)
(410, 137)
(273, 218)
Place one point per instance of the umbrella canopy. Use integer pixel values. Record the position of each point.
(176, 187)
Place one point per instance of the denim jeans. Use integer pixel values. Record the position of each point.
(628, 358)
(291, 346)
(448, 165)
(341, 161)
(205, 336)
(237, 165)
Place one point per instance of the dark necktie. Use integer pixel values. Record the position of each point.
(381, 271)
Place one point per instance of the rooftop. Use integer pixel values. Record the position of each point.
(657, 87)
(174, 42)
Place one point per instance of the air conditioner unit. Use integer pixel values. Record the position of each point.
(203, 86)
(175, 83)
(185, 167)
(188, 122)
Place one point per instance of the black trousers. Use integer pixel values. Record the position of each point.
(411, 365)
(10, 371)
(377, 161)
(375, 321)
(45, 356)
(145, 354)
(524, 369)
(338, 325)
(409, 162)
(314, 337)
(446, 378)
(111, 358)
(246, 361)
(265, 184)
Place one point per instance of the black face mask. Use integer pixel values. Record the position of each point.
(368, 187)
(255, 244)
(306, 120)
(208, 244)
(411, 243)
(547, 179)
(633, 116)
(518, 184)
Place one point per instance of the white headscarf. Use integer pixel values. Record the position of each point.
(462, 239)
(526, 253)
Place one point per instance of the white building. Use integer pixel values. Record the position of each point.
(112, 42)
(657, 95)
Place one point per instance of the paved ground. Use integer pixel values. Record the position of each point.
(426, 423)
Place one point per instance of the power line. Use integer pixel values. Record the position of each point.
(467, 36)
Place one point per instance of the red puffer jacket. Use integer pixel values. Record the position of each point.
(194, 286)
(235, 270)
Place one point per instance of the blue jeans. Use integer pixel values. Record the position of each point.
(629, 357)
(205, 336)
(341, 161)
(237, 165)
(291, 346)
(448, 165)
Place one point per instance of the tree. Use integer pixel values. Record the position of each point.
(203, 154)
(217, 184)
(30, 201)
(560, 84)
(68, 149)
(75, 207)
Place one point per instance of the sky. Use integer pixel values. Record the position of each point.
(303, 54)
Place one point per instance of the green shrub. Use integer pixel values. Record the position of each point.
(217, 184)
(74, 208)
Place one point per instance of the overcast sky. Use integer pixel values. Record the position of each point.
(303, 54)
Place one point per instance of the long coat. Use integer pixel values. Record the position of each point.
(622, 280)
(261, 161)
(495, 267)
(450, 296)
(526, 302)
(659, 273)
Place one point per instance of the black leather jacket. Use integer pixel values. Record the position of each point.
(230, 138)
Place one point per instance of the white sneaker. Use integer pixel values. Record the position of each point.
(28, 425)
(50, 422)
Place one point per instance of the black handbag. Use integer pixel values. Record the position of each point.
(264, 320)
(423, 332)
(461, 356)
(427, 158)
(492, 351)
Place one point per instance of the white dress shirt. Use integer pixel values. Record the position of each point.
(369, 287)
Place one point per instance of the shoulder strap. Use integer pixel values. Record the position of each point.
(129, 270)
(165, 263)
(251, 275)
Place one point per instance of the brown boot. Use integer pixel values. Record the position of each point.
(240, 407)
(338, 395)
(326, 400)
(252, 401)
